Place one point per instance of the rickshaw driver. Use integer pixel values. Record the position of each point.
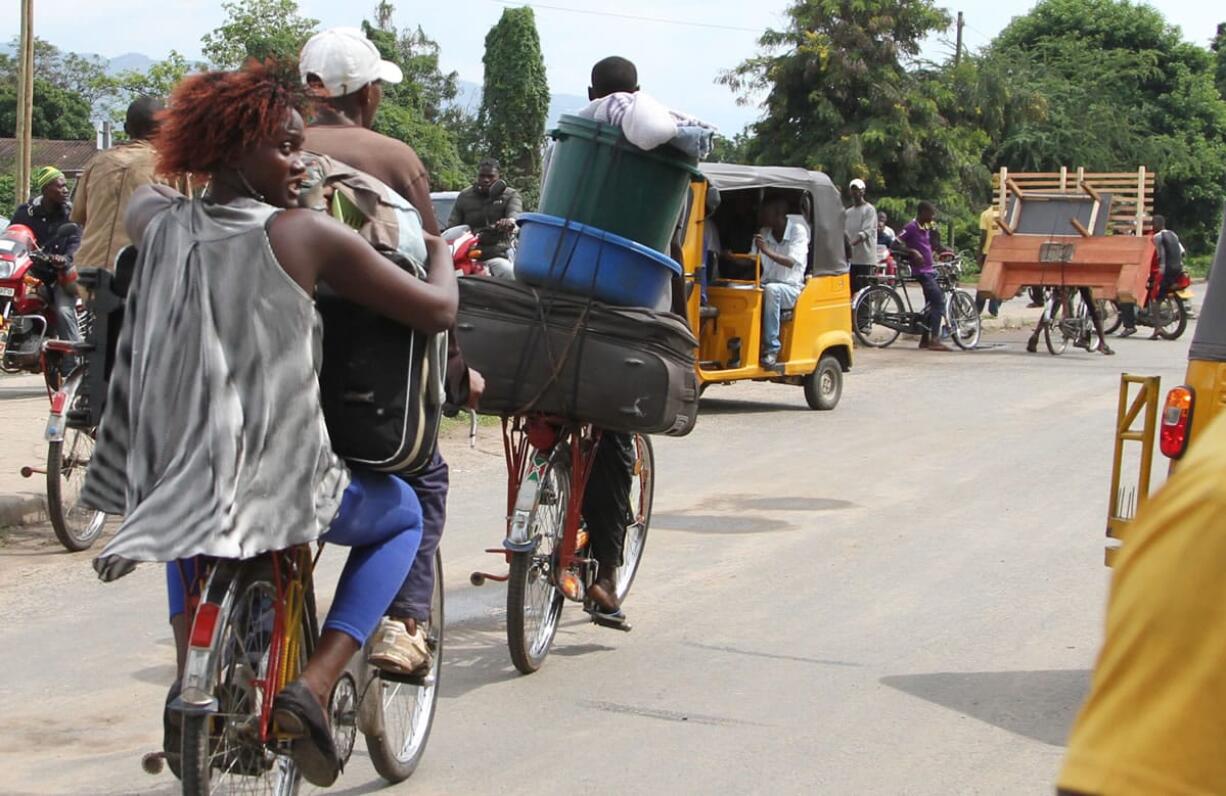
(783, 244)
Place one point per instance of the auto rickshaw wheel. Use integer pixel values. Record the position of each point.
(824, 386)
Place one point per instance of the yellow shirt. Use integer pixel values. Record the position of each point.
(102, 196)
(1155, 720)
(987, 224)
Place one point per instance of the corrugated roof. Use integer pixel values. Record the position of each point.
(69, 157)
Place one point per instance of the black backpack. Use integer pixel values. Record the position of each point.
(381, 384)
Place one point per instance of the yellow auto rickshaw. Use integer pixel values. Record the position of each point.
(724, 281)
(1187, 410)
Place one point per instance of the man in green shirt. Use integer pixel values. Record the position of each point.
(489, 207)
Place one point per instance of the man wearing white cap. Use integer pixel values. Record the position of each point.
(860, 229)
(344, 70)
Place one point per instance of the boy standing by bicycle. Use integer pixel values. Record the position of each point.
(917, 237)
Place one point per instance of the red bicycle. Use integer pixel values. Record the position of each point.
(546, 546)
(253, 628)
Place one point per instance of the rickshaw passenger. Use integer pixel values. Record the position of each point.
(783, 243)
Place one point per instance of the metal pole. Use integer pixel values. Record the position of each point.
(958, 48)
(25, 100)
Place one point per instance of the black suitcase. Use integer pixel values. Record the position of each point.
(619, 368)
(380, 385)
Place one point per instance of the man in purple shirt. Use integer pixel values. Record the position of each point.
(918, 240)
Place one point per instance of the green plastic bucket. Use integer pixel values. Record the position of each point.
(597, 178)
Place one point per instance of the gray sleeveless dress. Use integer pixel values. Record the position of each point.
(213, 441)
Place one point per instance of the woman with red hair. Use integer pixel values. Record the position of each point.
(213, 442)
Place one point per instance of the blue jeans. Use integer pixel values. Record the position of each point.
(380, 519)
(776, 297)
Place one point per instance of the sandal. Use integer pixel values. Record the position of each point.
(298, 714)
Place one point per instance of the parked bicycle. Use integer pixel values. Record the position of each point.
(546, 546)
(253, 629)
(879, 317)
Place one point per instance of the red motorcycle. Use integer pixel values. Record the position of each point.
(27, 313)
(465, 251)
(28, 344)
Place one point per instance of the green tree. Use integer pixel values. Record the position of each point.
(258, 29)
(1219, 58)
(8, 195)
(844, 94)
(515, 100)
(58, 113)
(418, 111)
(1115, 87)
(158, 80)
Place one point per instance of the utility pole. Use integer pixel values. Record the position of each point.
(958, 47)
(25, 101)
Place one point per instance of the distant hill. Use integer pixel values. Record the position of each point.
(469, 99)
(120, 63)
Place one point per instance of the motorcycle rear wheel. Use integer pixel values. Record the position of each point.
(1172, 314)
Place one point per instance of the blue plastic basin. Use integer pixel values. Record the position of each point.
(575, 258)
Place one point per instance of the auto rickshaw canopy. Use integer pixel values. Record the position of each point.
(1209, 341)
(827, 253)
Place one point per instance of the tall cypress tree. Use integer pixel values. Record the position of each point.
(515, 100)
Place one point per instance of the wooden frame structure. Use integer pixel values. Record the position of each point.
(1132, 193)
(1114, 265)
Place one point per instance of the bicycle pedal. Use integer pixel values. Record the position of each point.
(615, 621)
(424, 680)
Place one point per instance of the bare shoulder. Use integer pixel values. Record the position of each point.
(301, 229)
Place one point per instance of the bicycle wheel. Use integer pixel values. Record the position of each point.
(407, 704)
(222, 752)
(1056, 331)
(1170, 317)
(642, 488)
(534, 604)
(874, 306)
(75, 526)
(1109, 311)
(963, 319)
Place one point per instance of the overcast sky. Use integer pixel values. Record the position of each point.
(677, 62)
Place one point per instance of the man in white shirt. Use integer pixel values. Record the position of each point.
(783, 244)
(860, 229)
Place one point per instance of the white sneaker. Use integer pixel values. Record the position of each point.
(394, 650)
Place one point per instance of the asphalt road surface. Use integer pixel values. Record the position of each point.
(901, 596)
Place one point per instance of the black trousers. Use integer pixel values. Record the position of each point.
(1128, 312)
(606, 501)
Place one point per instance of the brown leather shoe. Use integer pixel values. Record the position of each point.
(937, 345)
(604, 593)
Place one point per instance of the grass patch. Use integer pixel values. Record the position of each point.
(1198, 265)
(459, 423)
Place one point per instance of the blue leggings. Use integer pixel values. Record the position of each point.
(380, 518)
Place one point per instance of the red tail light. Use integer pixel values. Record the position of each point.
(203, 625)
(57, 402)
(1177, 421)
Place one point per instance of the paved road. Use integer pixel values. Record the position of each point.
(901, 596)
